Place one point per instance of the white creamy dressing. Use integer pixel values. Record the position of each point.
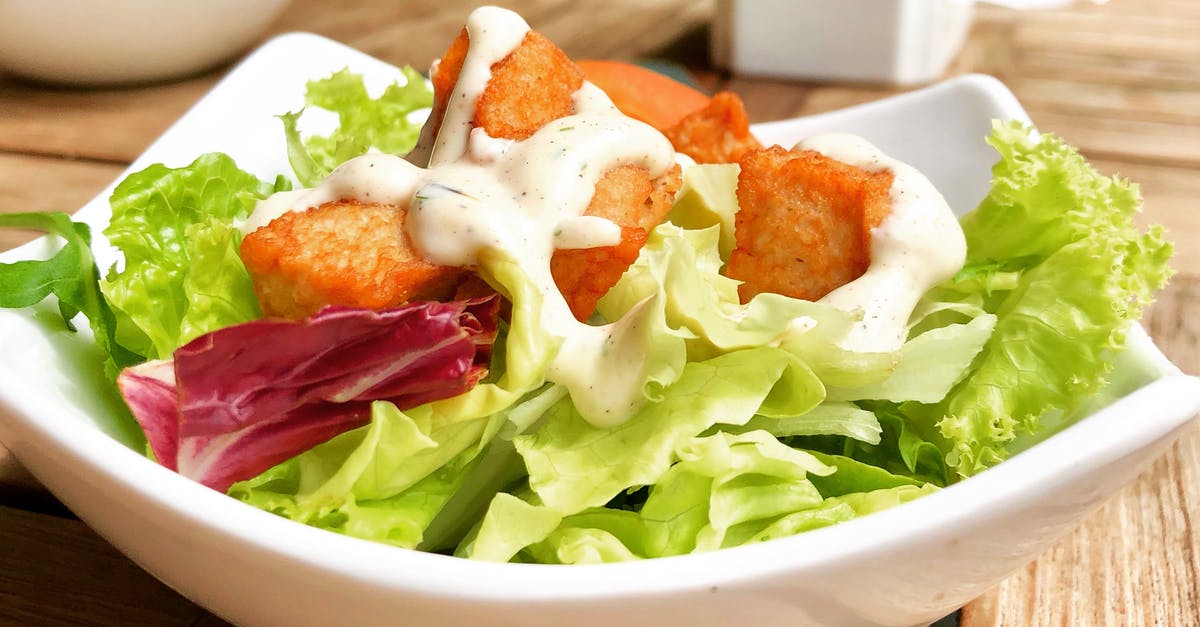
(525, 198)
(916, 246)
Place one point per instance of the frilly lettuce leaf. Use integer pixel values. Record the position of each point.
(181, 276)
(1053, 251)
(364, 123)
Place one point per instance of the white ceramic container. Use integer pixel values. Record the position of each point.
(894, 41)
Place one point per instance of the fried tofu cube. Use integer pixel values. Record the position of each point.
(584, 275)
(627, 196)
(718, 133)
(340, 253)
(530, 87)
(803, 226)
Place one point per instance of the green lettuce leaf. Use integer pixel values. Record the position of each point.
(1054, 252)
(829, 418)
(723, 490)
(181, 276)
(343, 485)
(72, 277)
(364, 123)
(574, 466)
(708, 197)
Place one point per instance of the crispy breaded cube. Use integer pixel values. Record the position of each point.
(340, 253)
(530, 87)
(803, 226)
(583, 275)
(718, 133)
(627, 196)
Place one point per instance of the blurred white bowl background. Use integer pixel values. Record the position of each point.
(126, 41)
(893, 41)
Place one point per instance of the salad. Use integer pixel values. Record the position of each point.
(529, 330)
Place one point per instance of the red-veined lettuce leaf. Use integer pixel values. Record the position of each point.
(234, 402)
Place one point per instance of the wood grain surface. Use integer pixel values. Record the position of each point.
(1120, 80)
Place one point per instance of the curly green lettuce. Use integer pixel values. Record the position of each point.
(181, 275)
(1054, 252)
(364, 123)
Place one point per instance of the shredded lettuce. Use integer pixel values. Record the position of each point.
(181, 276)
(363, 122)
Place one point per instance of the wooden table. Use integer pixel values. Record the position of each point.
(1121, 81)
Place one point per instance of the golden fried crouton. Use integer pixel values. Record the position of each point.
(356, 254)
(804, 223)
(718, 133)
(585, 274)
(344, 253)
(627, 196)
(530, 87)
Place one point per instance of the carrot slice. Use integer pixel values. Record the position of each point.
(643, 94)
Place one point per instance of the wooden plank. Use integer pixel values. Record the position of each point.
(1170, 198)
(36, 183)
(1110, 100)
(95, 124)
(61, 573)
(1124, 139)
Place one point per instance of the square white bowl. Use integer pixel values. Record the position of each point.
(907, 565)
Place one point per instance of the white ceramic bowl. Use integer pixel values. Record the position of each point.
(903, 566)
(124, 41)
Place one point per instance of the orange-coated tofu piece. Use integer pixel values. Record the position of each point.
(803, 226)
(529, 88)
(586, 274)
(627, 196)
(532, 86)
(718, 133)
(343, 253)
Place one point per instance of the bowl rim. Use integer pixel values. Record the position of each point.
(1098, 439)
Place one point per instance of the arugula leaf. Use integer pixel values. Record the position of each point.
(71, 276)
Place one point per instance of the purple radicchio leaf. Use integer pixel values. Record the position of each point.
(237, 401)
